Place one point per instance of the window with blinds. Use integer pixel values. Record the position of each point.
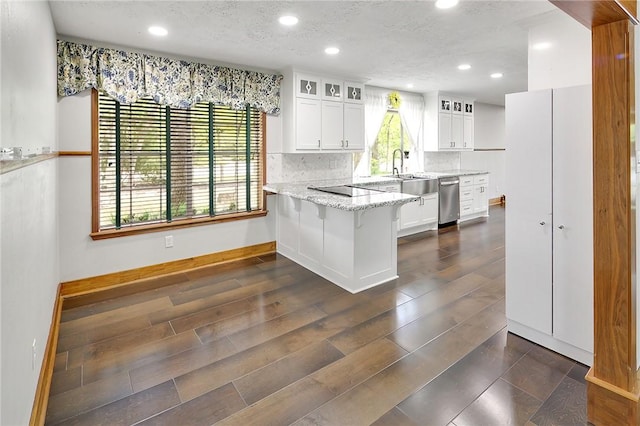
(158, 164)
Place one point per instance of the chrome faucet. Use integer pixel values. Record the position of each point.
(394, 169)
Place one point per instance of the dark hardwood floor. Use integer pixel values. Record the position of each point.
(266, 342)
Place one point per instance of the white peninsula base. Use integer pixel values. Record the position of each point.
(355, 249)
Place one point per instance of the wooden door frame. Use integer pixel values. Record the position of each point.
(612, 382)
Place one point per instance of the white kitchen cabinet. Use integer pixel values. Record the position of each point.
(321, 114)
(307, 86)
(354, 92)
(353, 128)
(309, 126)
(332, 125)
(353, 249)
(331, 90)
(480, 198)
(474, 201)
(449, 123)
(419, 216)
(549, 219)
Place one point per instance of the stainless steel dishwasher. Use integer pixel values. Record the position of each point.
(449, 195)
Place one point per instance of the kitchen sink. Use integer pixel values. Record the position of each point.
(419, 186)
(416, 184)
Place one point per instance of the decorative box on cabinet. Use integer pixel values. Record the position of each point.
(321, 114)
(549, 219)
(448, 123)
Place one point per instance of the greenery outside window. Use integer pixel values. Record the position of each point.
(392, 136)
(156, 167)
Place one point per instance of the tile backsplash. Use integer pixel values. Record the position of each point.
(440, 161)
(308, 167)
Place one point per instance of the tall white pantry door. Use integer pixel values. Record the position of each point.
(528, 216)
(573, 217)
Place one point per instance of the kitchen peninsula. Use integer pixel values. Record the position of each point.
(349, 240)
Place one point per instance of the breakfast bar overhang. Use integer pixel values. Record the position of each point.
(350, 241)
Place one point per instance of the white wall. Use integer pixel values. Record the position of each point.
(28, 202)
(82, 257)
(489, 135)
(488, 127)
(567, 62)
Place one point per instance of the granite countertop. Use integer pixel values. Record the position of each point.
(301, 190)
(376, 199)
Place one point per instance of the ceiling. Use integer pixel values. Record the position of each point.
(382, 43)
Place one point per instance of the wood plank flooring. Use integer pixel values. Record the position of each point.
(266, 342)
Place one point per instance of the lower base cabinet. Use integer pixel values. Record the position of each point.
(474, 200)
(353, 249)
(419, 216)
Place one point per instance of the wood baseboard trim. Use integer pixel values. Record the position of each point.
(41, 399)
(498, 201)
(608, 404)
(117, 279)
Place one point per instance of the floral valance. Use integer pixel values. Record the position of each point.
(127, 76)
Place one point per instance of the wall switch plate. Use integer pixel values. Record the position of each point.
(333, 164)
(168, 241)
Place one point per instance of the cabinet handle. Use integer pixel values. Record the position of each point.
(318, 143)
(342, 143)
(347, 142)
(561, 227)
(542, 223)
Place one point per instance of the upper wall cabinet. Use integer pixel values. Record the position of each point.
(321, 114)
(448, 123)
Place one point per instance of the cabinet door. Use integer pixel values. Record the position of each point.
(444, 131)
(354, 126)
(307, 86)
(457, 130)
(444, 104)
(467, 133)
(430, 208)
(457, 106)
(573, 217)
(332, 125)
(308, 124)
(331, 90)
(468, 108)
(528, 227)
(410, 214)
(480, 199)
(353, 92)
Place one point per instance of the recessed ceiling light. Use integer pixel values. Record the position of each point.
(410, 85)
(541, 46)
(158, 31)
(464, 67)
(496, 75)
(331, 50)
(446, 4)
(288, 20)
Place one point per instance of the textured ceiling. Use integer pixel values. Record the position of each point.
(383, 43)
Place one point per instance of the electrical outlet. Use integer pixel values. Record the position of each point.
(33, 355)
(168, 241)
(333, 164)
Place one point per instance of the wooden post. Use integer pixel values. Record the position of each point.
(612, 381)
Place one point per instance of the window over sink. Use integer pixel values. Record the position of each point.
(391, 136)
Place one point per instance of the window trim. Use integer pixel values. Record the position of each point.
(97, 234)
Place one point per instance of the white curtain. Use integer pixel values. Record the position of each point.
(412, 114)
(375, 107)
